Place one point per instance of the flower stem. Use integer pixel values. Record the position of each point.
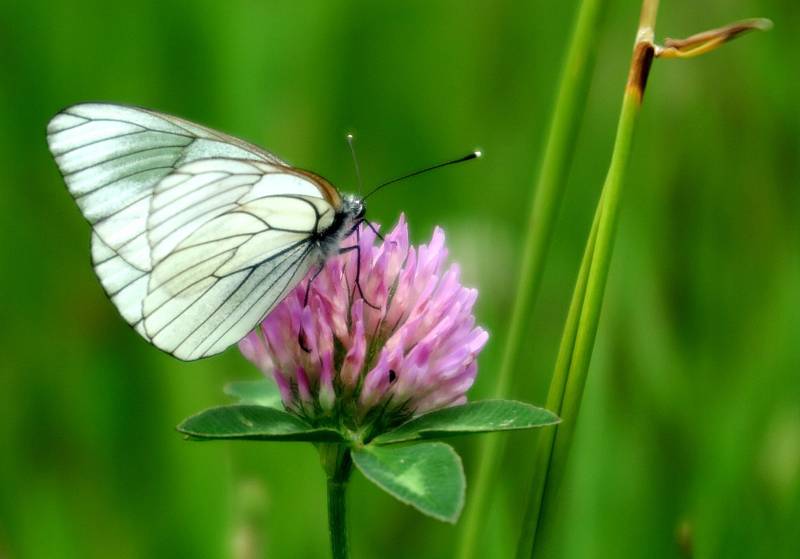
(337, 519)
(577, 343)
(338, 465)
(559, 148)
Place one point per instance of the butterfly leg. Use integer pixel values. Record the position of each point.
(310, 281)
(301, 337)
(357, 247)
(377, 234)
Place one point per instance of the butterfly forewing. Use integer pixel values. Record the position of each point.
(125, 284)
(219, 281)
(196, 234)
(112, 157)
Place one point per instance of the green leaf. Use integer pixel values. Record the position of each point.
(427, 476)
(257, 423)
(475, 417)
(262, 392)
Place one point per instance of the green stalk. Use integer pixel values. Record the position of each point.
(555, 395)
(559, 147)
(337, 519)
(338, 465)
(580, 330)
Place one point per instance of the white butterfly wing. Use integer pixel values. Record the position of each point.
(112, 157)
(210, 287)
(148, 182)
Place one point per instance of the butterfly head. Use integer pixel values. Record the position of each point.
(354, 210)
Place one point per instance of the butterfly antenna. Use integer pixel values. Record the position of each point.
(474, 155)
(350, 140)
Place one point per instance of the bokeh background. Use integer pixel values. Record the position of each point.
(690, 433)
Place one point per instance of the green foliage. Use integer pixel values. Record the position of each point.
(253, 423)
(427, 476)
(476, 417)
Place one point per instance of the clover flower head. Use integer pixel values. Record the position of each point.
(395, 342)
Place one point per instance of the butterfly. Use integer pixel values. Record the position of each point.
(196, 235)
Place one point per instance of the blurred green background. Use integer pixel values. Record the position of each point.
(690, 433)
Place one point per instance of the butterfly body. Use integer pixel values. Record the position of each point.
(196, 235)
(346, 219)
